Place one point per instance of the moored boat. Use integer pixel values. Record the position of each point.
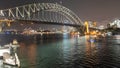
(9, 55)
(3, 50)
(11, 60)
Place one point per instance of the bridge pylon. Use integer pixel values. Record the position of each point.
(86, 27)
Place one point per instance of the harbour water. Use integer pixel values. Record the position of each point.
(65, 51)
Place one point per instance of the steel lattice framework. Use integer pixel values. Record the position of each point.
(25, 12)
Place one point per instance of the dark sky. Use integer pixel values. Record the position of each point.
(101, 11)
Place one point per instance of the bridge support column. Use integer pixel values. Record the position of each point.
(87, 27)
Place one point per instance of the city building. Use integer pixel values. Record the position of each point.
(115, 23)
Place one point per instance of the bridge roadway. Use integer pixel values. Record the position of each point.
(50, 23)
(80, 28)
(54, 23)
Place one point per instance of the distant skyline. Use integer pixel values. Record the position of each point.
(101, 11)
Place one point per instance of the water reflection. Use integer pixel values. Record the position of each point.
(27, 51)
(92, 56)
(66, 51)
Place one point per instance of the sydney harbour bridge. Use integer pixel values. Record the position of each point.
(42, 13)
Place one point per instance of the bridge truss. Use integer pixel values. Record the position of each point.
(42, 12)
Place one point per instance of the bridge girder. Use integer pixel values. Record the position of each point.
(26, 10)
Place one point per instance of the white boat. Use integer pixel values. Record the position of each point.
(3, 50)
(7, 58)
(11, 60)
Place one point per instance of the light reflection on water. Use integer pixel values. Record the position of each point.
(66, 51)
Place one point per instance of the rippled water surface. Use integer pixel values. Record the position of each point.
(65, 51)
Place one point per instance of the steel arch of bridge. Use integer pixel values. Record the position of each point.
(27, 10)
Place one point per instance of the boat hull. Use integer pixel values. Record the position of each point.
(3, 51)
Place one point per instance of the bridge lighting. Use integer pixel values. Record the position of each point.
(87, 27)
(24, 13)
(1, 13)
(7, 21)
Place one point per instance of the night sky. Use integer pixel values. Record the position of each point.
(102, 11)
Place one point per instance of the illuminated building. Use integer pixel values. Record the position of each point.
(115, 23)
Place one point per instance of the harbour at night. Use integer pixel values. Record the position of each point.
(59, 34)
